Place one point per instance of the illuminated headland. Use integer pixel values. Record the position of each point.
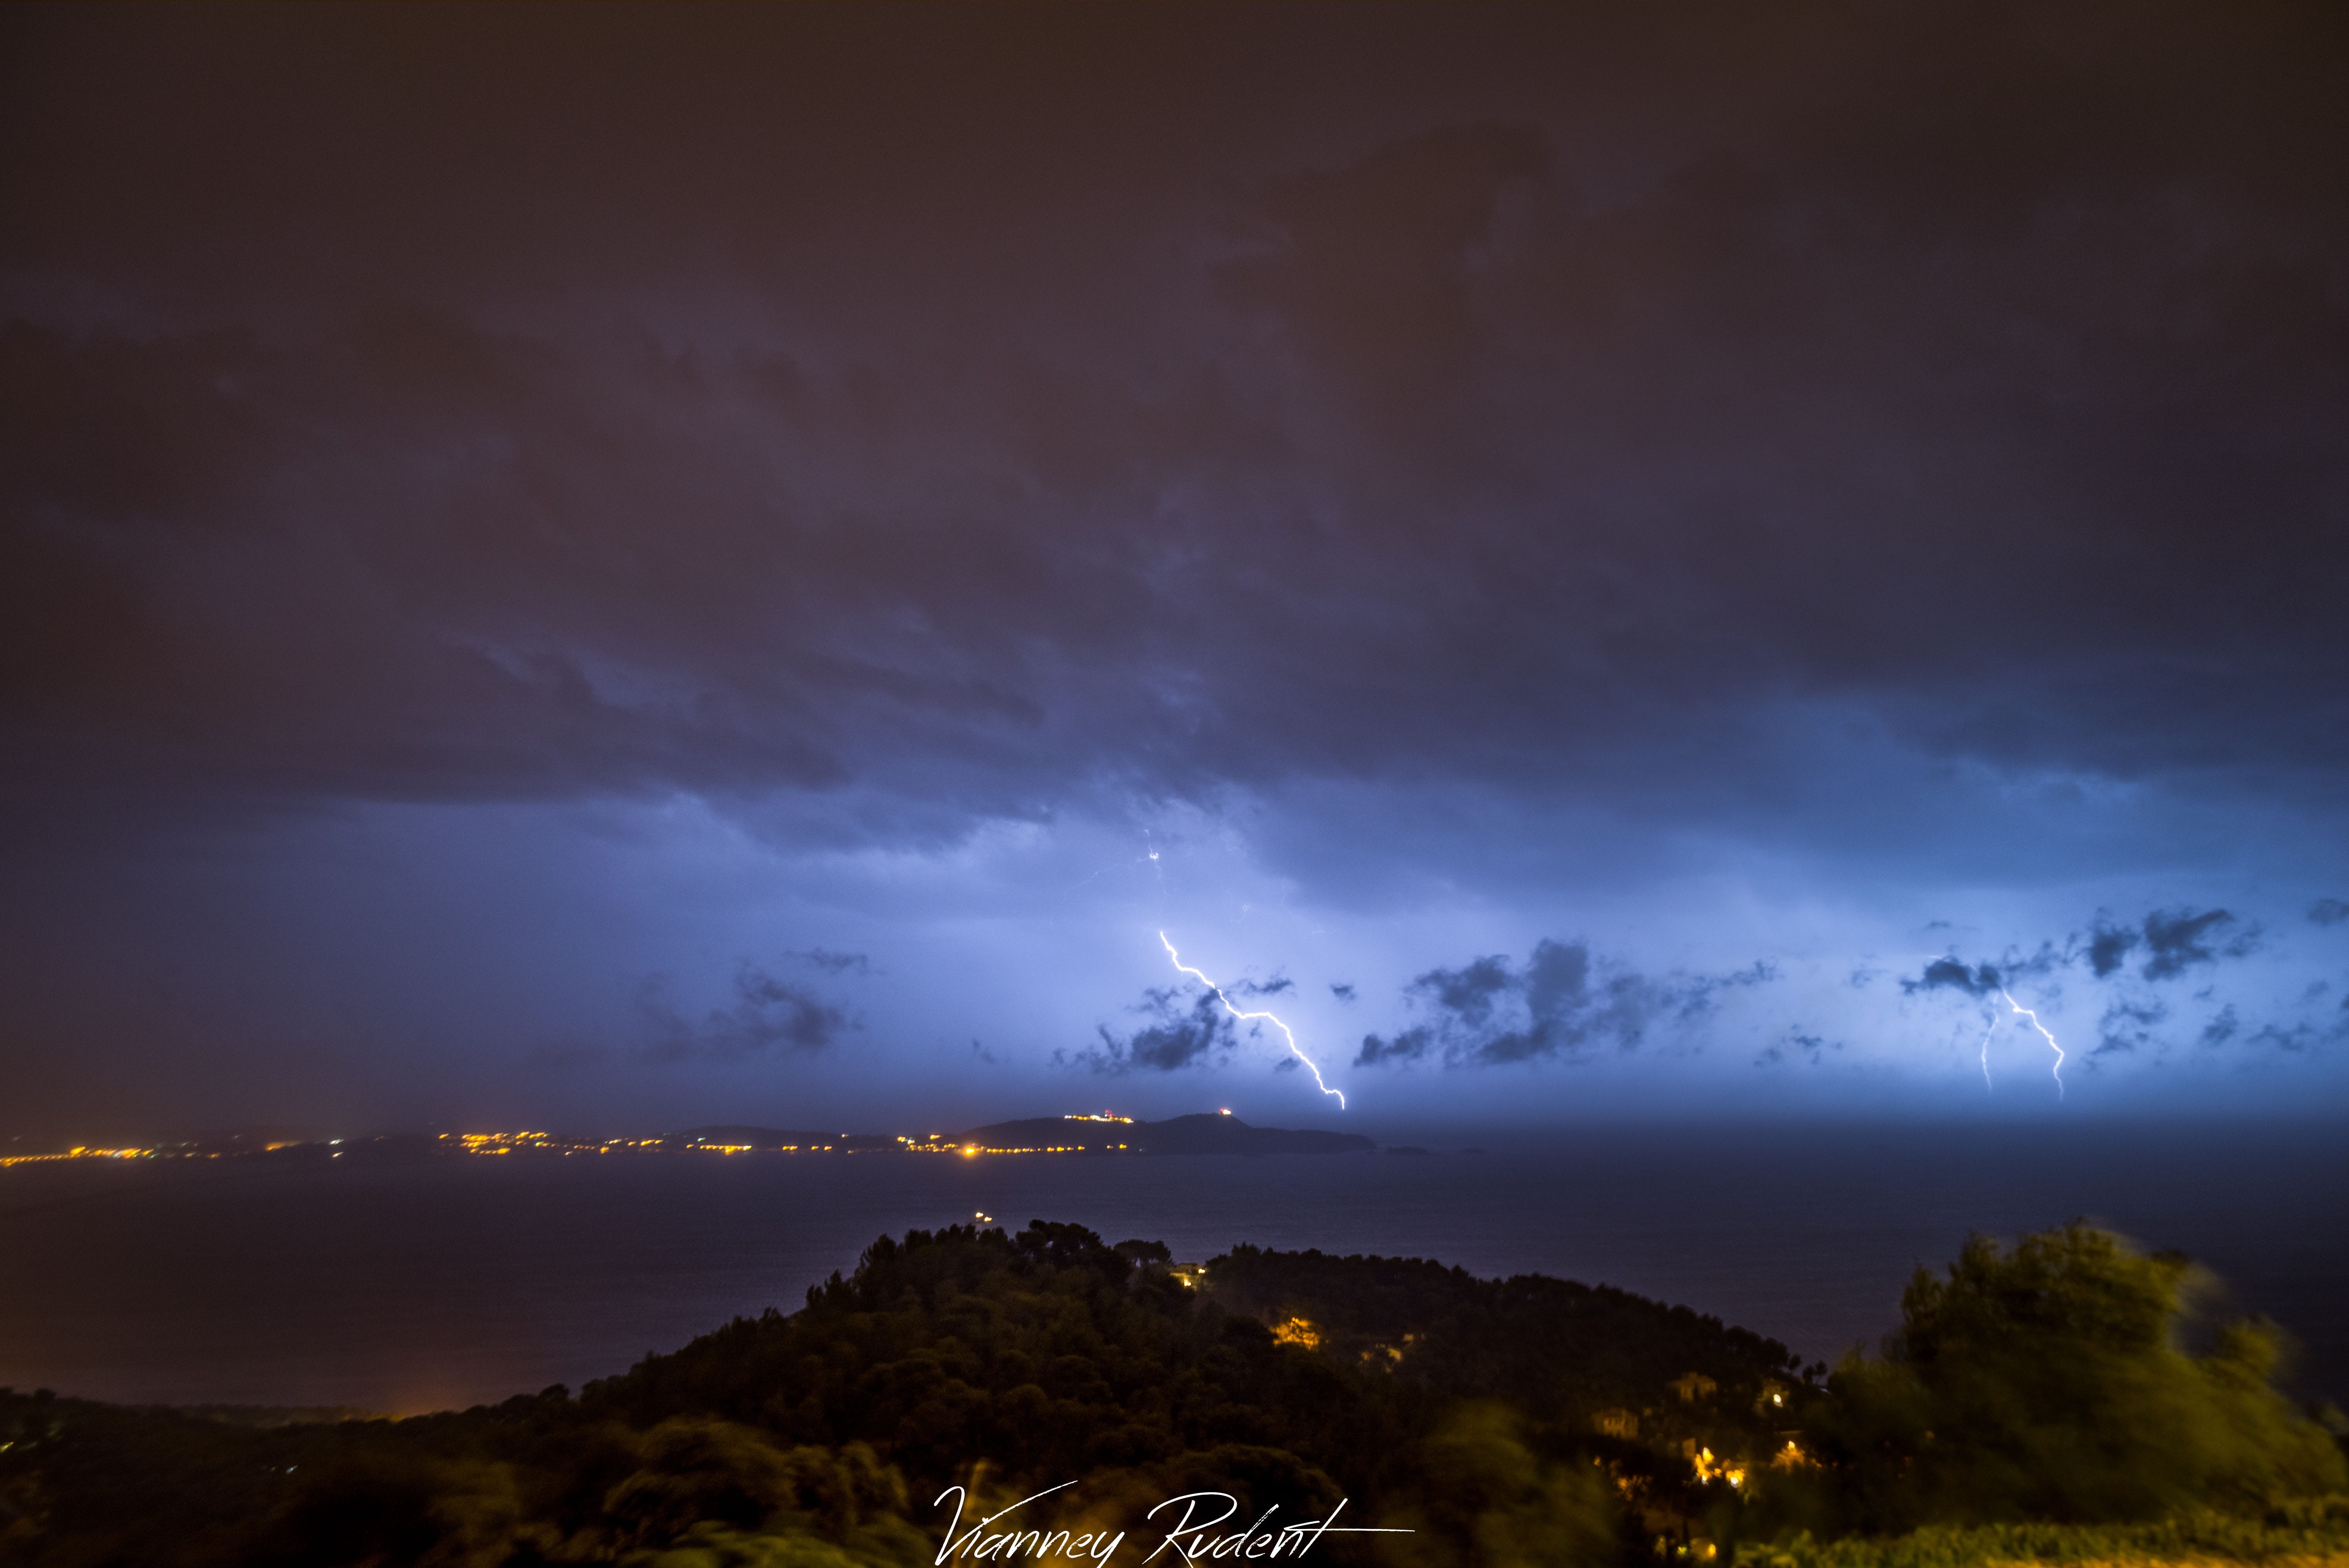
(227, 1146)
(1097, 1133)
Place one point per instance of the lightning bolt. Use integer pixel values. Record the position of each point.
(2035, 1024)
(1251, 1017)
(1985, 1050)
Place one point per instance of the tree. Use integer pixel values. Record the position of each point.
(1488, 1499)
(2048, 1381)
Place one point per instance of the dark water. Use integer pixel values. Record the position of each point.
(441, 1282)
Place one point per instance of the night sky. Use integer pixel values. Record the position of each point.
(612, 569)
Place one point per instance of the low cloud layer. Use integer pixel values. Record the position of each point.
(767, 1013)
(2139, 967)
(1561, 1004)
(1192, 1026)
(2172, 941)
(2166, 945)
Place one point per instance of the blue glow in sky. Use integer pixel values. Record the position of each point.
(744, 568)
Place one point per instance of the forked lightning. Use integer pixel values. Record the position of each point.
(1251, 1017)
(2035, 1024)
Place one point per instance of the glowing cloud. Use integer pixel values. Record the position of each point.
(1251, 1017)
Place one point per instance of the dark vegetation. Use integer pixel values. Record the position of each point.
(1518, 1421)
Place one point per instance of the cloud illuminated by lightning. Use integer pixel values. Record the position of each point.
(1251, 1017)
(2035, 1024)
(1150, 859)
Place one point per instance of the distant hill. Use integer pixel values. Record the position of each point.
(263, 1418)
(1203, 1134)
(777, 1138)
(1211, 1133)
(1056, 1132)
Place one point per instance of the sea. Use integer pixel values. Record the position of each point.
(441, 1282)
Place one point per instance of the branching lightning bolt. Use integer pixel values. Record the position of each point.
(2035, 1024)
(1251, 1017)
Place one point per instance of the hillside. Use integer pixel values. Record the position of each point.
(1498, 1422)
(1208, 1133)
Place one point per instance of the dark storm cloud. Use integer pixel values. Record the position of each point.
(2132, 1023)
(1563, 1003)
(1952, 974)
(1988, 979)
(2132, 959)
(1280, 984)
(1190, 1026)
(767, 1012)
(2328, 912)
(2300, 1035)
(1342, 990)
(1177, 428)
(2109, 947)
(1190, 1029)
(2173, 942)
(881, 424)
(2317, 1026)
(1811, 1048)
(2178, 940)
(2127, 1025)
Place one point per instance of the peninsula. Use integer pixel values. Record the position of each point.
(1084, 1132)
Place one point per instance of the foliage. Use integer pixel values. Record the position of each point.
(2303, 1533)
(1552, 1344)
(2042, 1384)
(1045, 1353)
(2048, 1382)
(1488, 1497)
